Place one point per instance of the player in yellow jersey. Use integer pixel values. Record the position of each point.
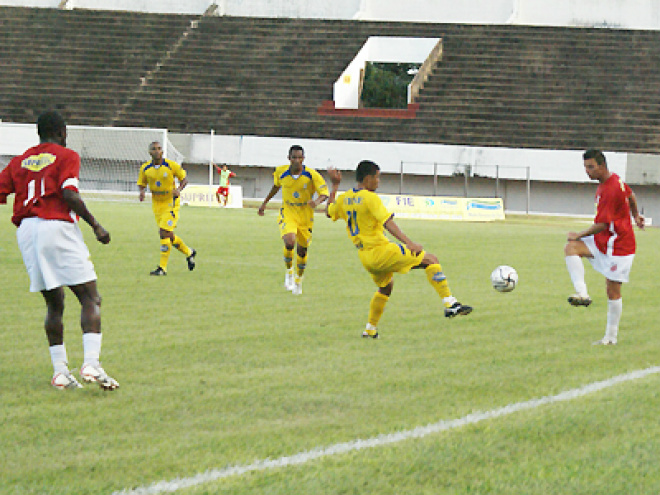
(366, 217)
(299, 183)
(159, 174)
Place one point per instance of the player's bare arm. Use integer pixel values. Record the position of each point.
(335, 180)
(394, 229)
(77, 205)
(273, 192)
(143, 191)
(634, 211)
(593, 230)
(315, 202)
(176, 192)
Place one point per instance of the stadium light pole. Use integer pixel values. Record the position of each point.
(212, 149)
(529, 189)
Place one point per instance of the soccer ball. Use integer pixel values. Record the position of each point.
(504, 278)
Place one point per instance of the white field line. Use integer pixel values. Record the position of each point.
(386, 439)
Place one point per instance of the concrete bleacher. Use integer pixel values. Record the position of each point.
(81, 62)
(514, 86)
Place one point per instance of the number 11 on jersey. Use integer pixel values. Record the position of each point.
(31, 192)
(352, 222)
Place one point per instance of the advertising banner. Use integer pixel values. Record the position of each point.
(444, 208)
(195, 195)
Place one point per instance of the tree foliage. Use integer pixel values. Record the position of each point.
(386, 84)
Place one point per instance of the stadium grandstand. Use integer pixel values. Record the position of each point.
(496, 84)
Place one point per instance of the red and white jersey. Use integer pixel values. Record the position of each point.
(37, 178)
(613, 209)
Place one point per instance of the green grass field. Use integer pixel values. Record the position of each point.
(222, 367)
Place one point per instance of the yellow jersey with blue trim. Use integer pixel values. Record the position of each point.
(365, 216)
(160, 178)
(297, 190)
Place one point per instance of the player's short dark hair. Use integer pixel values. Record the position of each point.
(49, 124)
(365, 168)
(595, 155)
(296, 147)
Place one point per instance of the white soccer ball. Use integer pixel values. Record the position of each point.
(504, 278)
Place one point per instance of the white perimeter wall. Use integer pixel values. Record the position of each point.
(637, 14)
(544, 165)
(418, 159)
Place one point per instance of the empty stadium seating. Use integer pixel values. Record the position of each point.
(515, 86)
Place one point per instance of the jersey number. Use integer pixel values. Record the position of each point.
(31, 197)
(352, 223)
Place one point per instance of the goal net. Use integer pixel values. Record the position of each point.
(110, 158)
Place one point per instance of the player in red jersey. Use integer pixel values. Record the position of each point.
(609, 243)
(223, 190)
(44, 181)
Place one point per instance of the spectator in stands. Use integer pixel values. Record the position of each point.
(299, 183)
(159, 174)
(609, 243)
(223, 191)
(47, 207)
(366, 217)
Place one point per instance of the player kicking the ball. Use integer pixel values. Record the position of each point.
(47, 205)
(366, 217)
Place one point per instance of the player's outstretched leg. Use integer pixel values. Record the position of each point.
(438, 281)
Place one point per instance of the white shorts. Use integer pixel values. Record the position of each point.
(616, 268)
(54, 253)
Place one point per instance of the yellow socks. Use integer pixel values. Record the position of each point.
(181, 246)
(376, 308)
(438, 281)
(301, 264)
(165, 250)
(288, 258)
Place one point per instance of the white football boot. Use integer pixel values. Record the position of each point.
(93, 373)
(62, 381)
(297, 286)
(605, 341)
(289, 279)
(370, 332)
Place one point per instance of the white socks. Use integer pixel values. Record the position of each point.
(614, 310)
(449, 301)
(91, 348)
(576, 271)
(58, 357)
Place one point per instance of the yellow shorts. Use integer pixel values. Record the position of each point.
(167, 213)
(383, 262)
(293, 224)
